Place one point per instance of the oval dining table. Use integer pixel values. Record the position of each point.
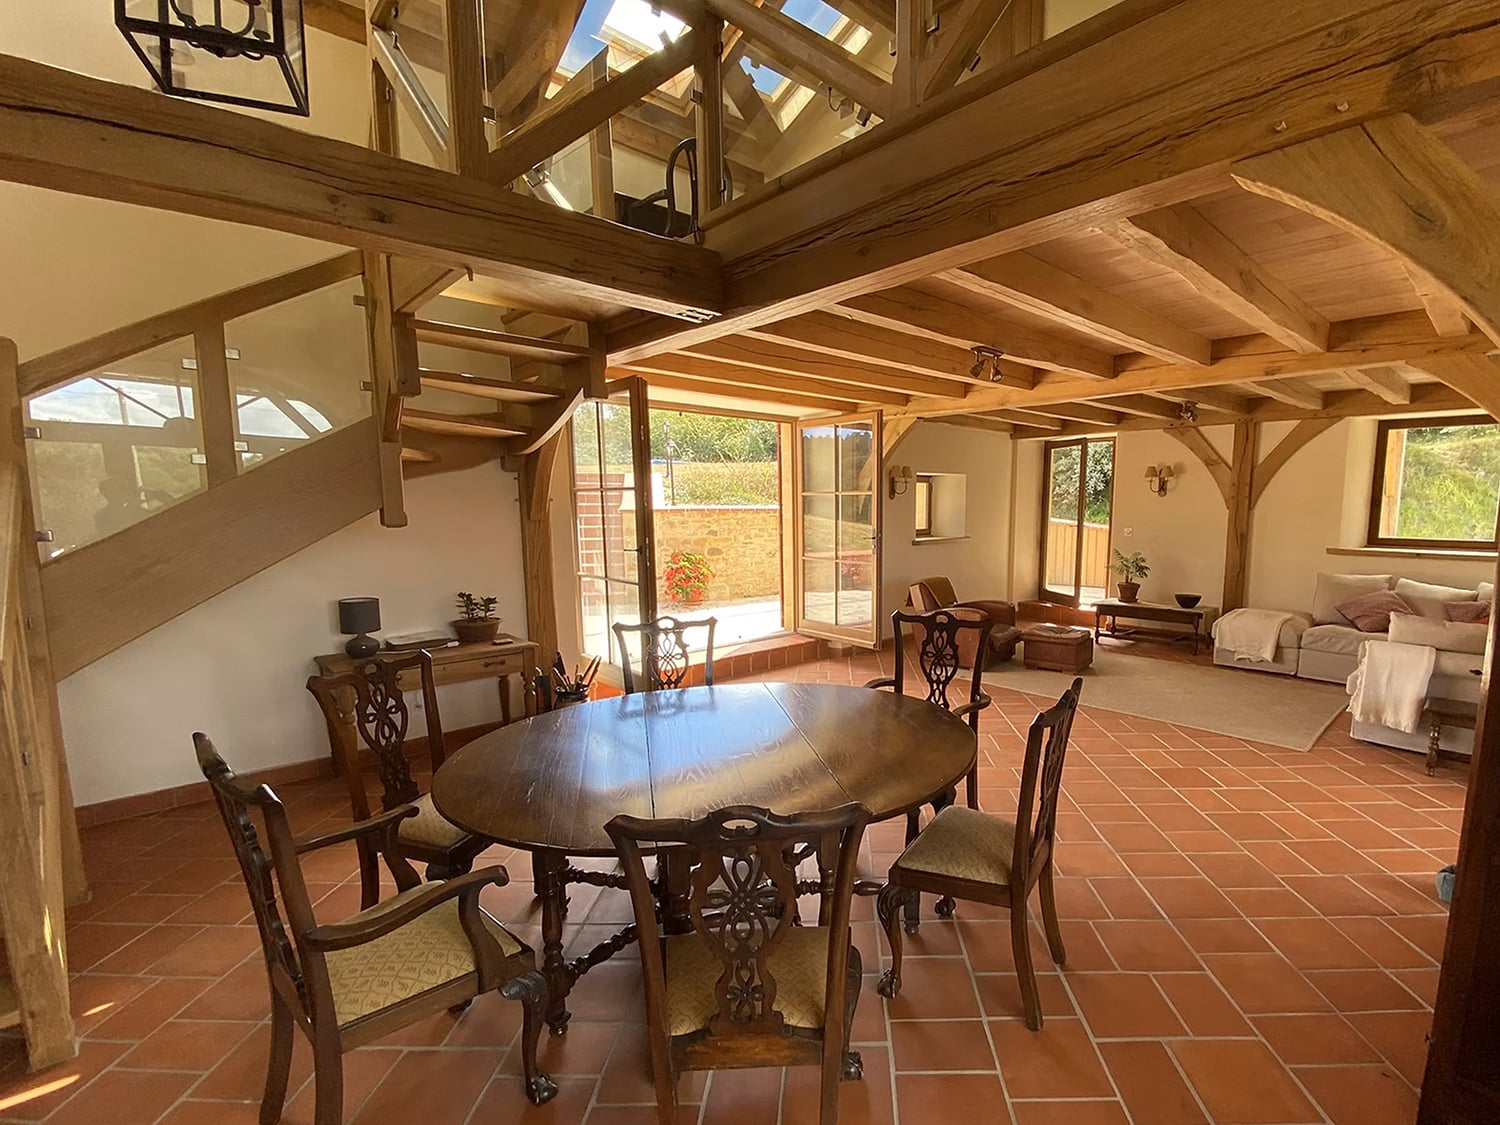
(550, 783)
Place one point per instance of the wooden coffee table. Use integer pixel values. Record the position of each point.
(1150, 611)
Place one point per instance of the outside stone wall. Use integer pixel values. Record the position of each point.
(743, 545)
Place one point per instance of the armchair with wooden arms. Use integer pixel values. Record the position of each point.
(373, 689)
(429, 948)
(937, 593)
(739, 982)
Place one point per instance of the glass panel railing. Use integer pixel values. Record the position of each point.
(298, 370)
(110, 448)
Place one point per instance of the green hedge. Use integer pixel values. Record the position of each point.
(727, 483)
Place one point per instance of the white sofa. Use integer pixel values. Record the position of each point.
(1458, 657)
(1330, 648)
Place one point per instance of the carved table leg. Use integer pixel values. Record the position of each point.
(548, 867)
(1434, 744)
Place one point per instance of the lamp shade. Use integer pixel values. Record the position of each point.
(1150, 472)
(359, 615)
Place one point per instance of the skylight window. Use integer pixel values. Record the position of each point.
(625, 22)
(813, 14)
(767, 80)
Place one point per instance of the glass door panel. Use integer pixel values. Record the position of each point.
(1077, 496)
(838, 531)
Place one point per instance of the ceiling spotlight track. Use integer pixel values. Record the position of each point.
(987, 363)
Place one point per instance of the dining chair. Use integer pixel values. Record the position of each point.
(428, 948)
(968, 854)
(664, 652)
(372, 690)
(731, 978)
(938, 641)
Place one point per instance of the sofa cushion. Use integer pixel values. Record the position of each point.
(1371, 613)
(1428, 600)
(1341, 639)
(1334, 589)
(1446, 636)
(1468, 611)
(1486, 592)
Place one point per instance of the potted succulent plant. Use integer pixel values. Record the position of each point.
(1131, 569)
(687, 576)
(478, 622)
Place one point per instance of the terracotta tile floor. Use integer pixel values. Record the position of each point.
(1252, 936)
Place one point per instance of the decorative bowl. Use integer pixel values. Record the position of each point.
(1188, 601)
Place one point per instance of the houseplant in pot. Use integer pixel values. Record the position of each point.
(478, 622)
(687, 576)
(1131, 568)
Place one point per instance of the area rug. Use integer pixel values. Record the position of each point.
(1255, 706)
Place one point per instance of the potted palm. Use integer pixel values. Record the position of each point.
(687, 576)
(1131, 568)
(478, 623)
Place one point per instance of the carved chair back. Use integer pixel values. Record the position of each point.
(293, 976)
(742, 905)
(1041, 784)
(935, 641)
(664, 653)
(381, 718)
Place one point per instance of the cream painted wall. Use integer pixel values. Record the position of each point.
(235, 665)
(1182, 533)
(977, 564)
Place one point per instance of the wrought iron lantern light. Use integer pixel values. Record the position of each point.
(240, 52)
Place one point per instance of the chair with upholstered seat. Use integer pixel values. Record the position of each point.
(731, 978)
(427, 949)
(373, 690)
(937, 641)
(968, 854)
(937, 592)
(664, 653)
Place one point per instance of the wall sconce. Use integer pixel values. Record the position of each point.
(1157, 478)
(987, 362)
(901, 477)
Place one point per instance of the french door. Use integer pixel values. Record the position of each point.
(1077, 503)
(837, 467)
(612, 507)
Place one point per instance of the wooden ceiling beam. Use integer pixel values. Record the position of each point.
(1186, 243)
(877, 15)
(830, 62)
(1144, 406)
(961, 30)
(1386, 382)
(993, 425)
(746, 392)
(1290, 392)
(1226, 402)
(1402, 338)
(1476, 377)
(989, 167)
(71, 133)
(915, 311)
(1081, 412)
(1026, 418)
(1443, 309)
(712, 371)
(773, 355)
(1027, 282)
(945, 368)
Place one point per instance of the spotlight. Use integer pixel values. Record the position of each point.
(987, 361)
(1188, 412)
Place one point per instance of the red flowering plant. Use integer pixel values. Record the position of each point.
(687, 577)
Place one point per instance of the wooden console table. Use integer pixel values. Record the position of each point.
(462, 663)
(1439, 713)
(1195, 619)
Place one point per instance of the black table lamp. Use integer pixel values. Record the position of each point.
(360, 617)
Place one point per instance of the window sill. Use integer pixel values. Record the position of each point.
(923, 540)
(1416, 553)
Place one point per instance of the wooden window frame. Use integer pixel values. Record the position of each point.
(1373, 537)
(921, 530)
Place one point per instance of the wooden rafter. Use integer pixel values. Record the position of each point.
(827, 60)
(1183, 241)
(1144, 405)
(1447, 317)
(831, 334)
(1291, 392)
(1392, 182)
(530, 51)
(993, 170)
(748, 393)
(919, 312)
(565, 120)
(771, 355)
(64, 131)
(1477, 377)
(1386, 382)
(1027, 282)
(1224, 401)
(960, 32)
(730, 375)
(1296, 439)
(1082, 412)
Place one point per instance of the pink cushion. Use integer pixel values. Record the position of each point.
(1371, 613)
(1467, 611)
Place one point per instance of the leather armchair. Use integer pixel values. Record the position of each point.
(937, 593)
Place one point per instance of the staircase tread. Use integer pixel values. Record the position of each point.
(497, 341)
(463, 425)
(502, 390)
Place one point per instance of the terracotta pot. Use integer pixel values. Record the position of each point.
(1129, 591)
(477, 632)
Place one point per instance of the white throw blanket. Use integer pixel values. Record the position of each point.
(1390, 685)
(1250, 634)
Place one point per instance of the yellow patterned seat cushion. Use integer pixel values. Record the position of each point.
(799, 967)
(428, 951)
(962, 843)
(430, 827)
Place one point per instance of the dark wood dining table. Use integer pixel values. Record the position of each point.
(551, 783)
